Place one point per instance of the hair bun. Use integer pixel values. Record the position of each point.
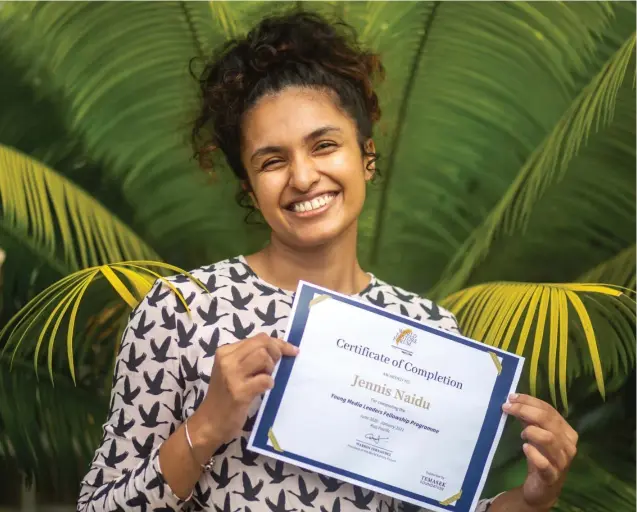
(301, 37)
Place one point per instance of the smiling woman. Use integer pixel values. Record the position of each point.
(291, 107)
(310, 183)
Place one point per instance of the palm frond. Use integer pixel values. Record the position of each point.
(593, 108)
(601, 481)
(121, 73)
(58, 220)
(586, 218)
(446, 175)
(46, 312)
(546, 323)
(50, 432)
(618, 270)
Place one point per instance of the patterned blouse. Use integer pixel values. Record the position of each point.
(161, 376)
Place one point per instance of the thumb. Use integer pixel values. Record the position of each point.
(287, 349)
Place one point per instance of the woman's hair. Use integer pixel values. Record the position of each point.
(294, 49)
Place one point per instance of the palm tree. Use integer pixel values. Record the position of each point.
(508, 156)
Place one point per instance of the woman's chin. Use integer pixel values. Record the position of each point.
(319, 234)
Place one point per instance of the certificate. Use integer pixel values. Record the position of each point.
(385, 402)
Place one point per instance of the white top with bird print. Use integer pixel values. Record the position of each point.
(161, 376)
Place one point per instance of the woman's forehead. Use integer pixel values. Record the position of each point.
(291, 115)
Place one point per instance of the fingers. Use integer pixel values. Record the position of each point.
(287, 349)
(549, 473)
(259, 361)
(549, 445)
(274, 346)
(531, 410)
(529, 414)
(521, 398)
(253, 356)
(258, 385)
(551, 442)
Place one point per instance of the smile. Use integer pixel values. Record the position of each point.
(313, 206)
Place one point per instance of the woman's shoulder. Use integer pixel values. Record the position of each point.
(233, 270)
(411, 304)
(208, 280)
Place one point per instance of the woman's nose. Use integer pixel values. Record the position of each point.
(303, 173)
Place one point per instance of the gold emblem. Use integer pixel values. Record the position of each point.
(402, 334)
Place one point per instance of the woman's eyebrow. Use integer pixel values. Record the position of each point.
(319, 132)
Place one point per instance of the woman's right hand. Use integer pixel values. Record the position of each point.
(241, 372)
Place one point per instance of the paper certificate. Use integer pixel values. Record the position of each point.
(386, 403)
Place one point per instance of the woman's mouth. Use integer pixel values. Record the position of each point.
(313, 206)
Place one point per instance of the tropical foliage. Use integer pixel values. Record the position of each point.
(507, 148)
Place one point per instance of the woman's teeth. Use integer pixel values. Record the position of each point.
(317, 202)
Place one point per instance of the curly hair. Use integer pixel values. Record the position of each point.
(298, 48)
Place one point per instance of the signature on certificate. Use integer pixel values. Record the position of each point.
(375, 438)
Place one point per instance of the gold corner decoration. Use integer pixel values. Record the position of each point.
(275, 443)
(496, 362)
(456, 496)
(317, 299)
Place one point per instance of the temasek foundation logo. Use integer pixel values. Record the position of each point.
(404, 339)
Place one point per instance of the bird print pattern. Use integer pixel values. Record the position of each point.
(161, 376)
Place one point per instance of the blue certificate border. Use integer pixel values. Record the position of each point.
(479, 459)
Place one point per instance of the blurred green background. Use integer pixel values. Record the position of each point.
(507, 146)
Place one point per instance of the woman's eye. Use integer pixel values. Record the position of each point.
(325, 145)
(271, 163)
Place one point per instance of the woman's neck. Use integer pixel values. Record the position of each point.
(333, 266)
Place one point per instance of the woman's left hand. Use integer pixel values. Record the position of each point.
(550, 446)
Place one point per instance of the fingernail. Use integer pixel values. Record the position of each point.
(506, 406)
(296, 349)
(513, 396)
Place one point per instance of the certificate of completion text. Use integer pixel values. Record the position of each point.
(386, 403)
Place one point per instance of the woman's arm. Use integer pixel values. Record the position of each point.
(241, 372)
(125, 469)
(144, 456)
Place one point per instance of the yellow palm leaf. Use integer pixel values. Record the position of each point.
(59, 219)
(58, 298)
(496, 313)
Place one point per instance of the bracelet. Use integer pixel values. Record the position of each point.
(208, 465)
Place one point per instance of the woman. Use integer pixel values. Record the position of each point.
(291, 107)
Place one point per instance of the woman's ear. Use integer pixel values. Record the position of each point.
(370, 161)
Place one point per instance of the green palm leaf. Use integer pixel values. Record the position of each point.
(46, 430)
(465, 134)
(593, 107)
(602, 476)
(548, 322)
(582, 220)
(59, 221)
(618, 270)
(122, 73)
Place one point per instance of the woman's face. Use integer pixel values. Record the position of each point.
(305, 166)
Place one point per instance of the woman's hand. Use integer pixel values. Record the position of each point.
(551, 445)
(241, 372)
